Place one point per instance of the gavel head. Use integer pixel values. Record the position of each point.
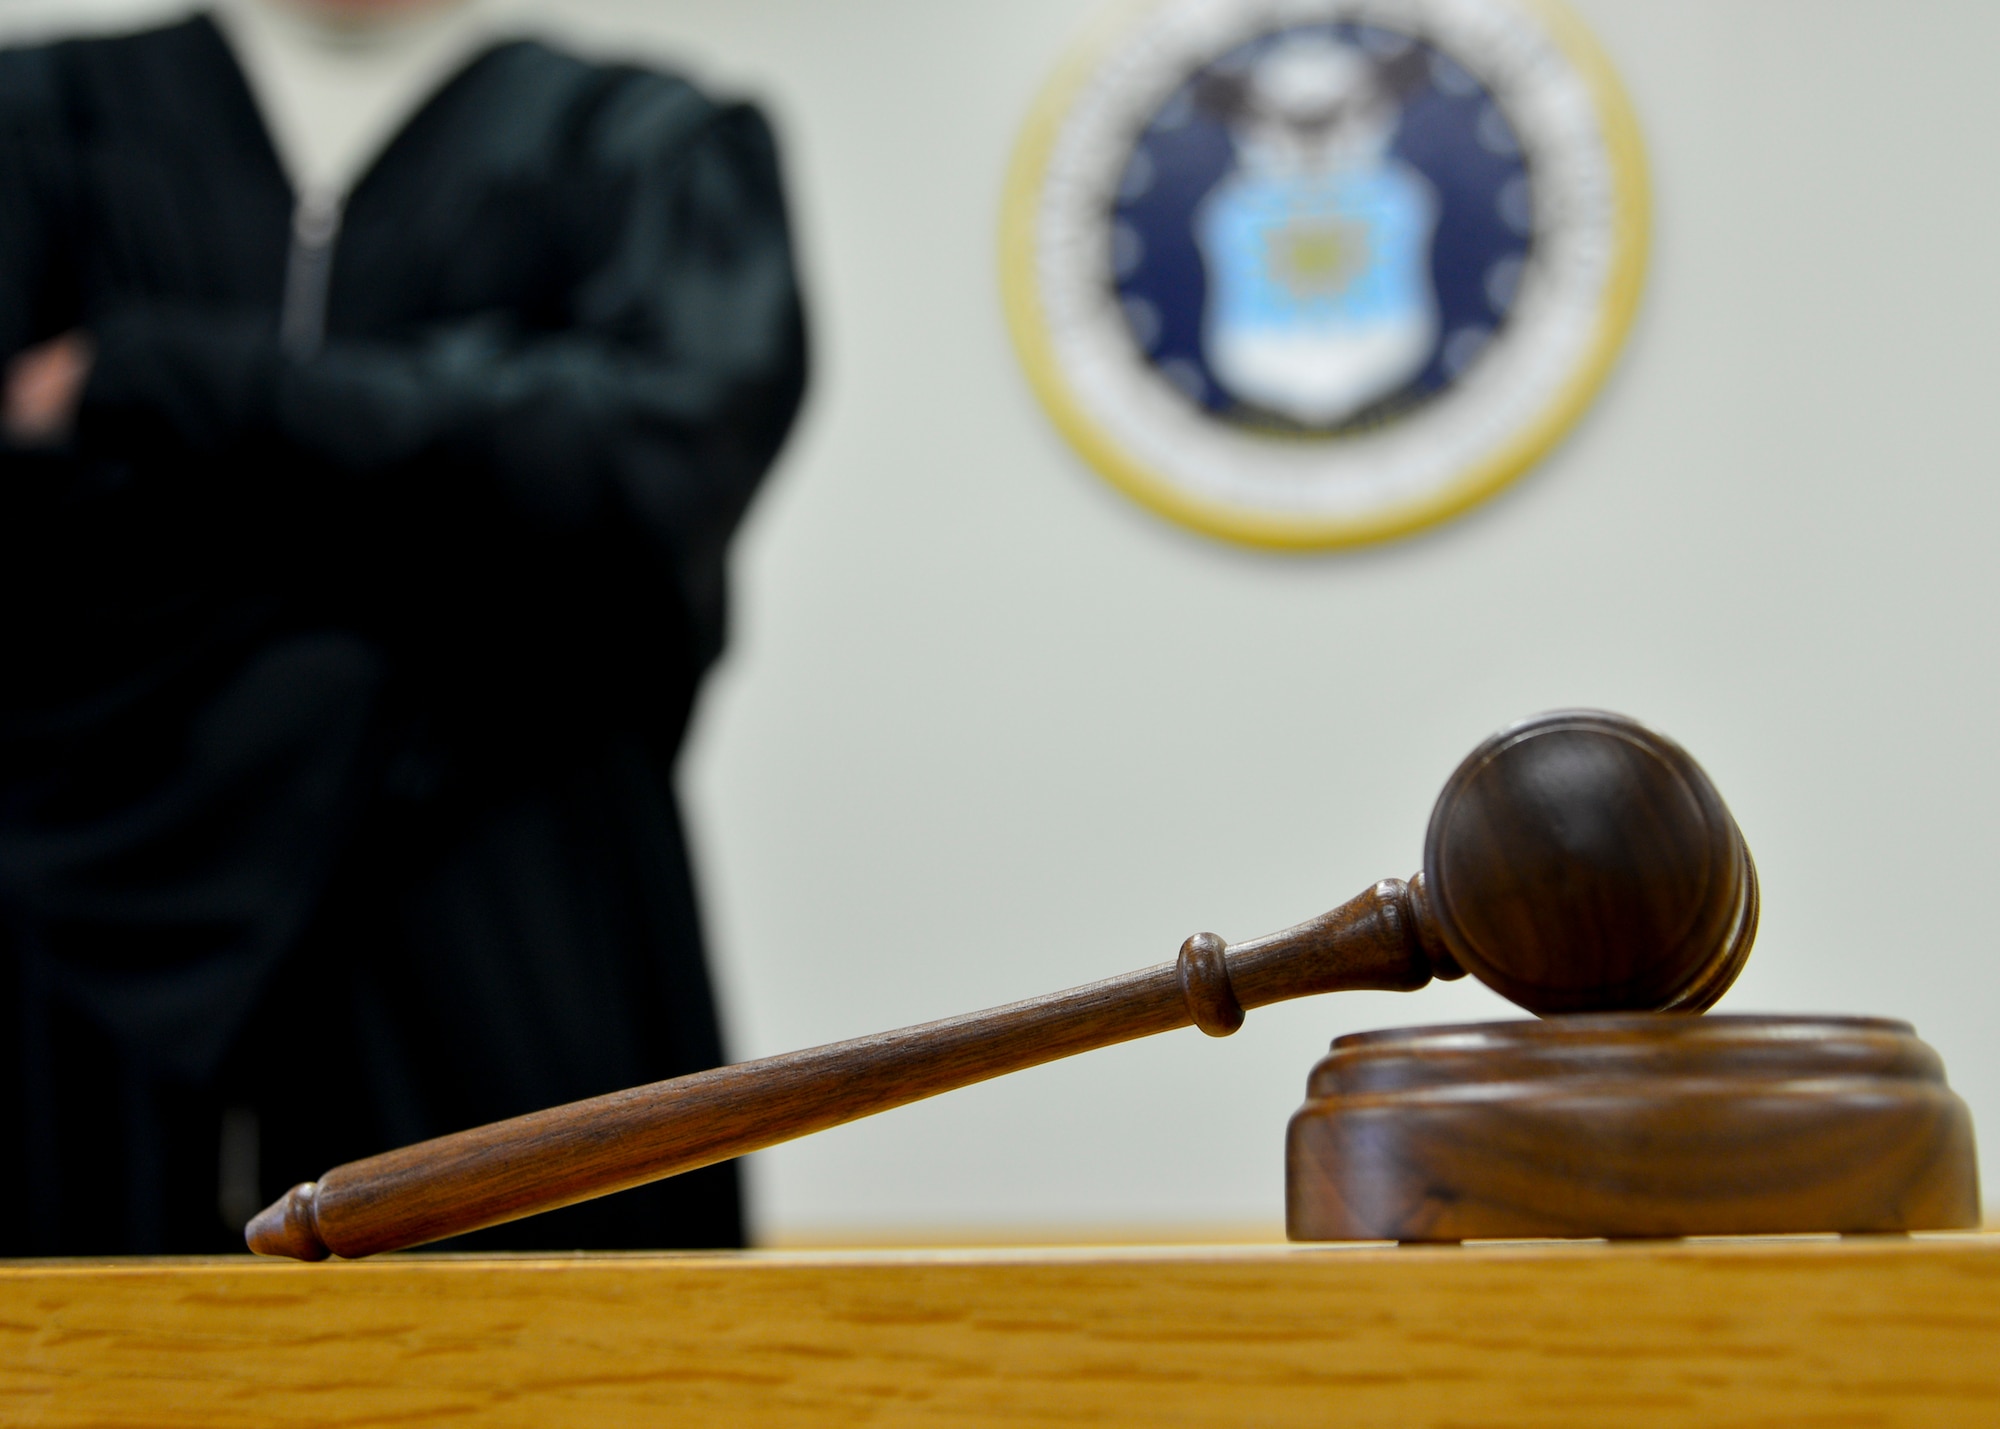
(1580, 862)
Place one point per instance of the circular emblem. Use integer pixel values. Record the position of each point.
(1317, 272)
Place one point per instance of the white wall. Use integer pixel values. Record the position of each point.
(988, 730)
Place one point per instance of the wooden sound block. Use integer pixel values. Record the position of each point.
(1630, 1125)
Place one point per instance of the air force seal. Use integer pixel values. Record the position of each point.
(1315, 272)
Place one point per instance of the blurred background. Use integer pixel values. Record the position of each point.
(987, 729)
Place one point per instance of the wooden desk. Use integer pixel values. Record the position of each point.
(1774, 1332)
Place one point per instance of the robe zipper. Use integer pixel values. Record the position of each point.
(308, 269)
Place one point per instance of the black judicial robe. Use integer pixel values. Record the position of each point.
(340, 679)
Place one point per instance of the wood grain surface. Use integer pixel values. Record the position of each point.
(1869, 1332)
(1630, 1125)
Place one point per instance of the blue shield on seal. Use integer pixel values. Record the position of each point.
(1317, 247)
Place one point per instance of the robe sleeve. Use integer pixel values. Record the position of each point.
(31, 203)
(652, 414)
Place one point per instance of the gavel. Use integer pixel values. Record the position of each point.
(1576, 863)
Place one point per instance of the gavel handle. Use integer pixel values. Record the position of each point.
(509, 1169)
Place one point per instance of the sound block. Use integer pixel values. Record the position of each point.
(1630, 1125)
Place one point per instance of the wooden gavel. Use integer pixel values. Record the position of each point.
(1576, 862)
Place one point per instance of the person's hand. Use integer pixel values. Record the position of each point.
(44, 388)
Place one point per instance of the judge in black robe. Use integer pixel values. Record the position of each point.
(346, 644)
